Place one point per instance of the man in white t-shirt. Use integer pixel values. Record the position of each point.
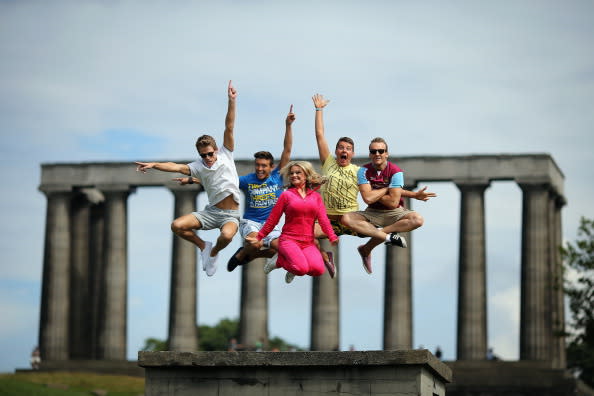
(217, 174)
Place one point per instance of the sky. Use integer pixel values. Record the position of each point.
(140, 80)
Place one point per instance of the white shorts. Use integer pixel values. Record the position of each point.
(212, 217)
(246, 227)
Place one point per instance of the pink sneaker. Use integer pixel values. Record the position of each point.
(366, 260)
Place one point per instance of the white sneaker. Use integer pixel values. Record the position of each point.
(209, 264)
(270, 264)
(289, 277)
(205, 253)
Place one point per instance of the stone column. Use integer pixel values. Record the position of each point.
(183, 335)
(80, 315)
(81, 275)
(325, 313)
(96, 263)
(253, 316)
(535, 341)
(113, 326)
(55, 299)
(559, 357)
(472, 278)
(398, 323)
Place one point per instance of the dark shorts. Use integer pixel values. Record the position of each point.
(340, 229)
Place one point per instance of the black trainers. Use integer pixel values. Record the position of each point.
(234, 262)
(396, 240)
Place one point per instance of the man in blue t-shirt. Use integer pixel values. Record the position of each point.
(262, 189)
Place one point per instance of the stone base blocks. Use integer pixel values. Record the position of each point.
(415, 372)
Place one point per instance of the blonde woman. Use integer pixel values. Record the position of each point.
(302, 205)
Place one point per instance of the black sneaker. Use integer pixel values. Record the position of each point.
(396, 240)
(234, 262)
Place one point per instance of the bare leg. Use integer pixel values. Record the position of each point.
(228, 231)
(358, 223)
(409, 222)
(250, 252)
(184, 227)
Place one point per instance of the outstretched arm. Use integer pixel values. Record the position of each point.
(323, 150)
(390, 200)
(228, 138)
(421, 195)
(288, 143)
(163, 166)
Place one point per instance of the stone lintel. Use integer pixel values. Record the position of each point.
(296, 359)
(417, 169)
(48, 189)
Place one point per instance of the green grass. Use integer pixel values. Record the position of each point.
(69, 384)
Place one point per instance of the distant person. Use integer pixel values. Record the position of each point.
(438, 352)
(261, 189)
(381, 186)
(217, 174)
(35, 358)
(302, 206)
(233, 345)
(491, 355)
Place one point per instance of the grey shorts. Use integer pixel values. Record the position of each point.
(212, 217)
(246, 227)
(383, 218)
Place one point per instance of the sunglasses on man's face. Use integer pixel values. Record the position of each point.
(209, 154)
(380, 151)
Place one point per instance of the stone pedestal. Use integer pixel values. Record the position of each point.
(414, 372)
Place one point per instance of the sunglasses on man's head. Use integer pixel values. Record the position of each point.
(380, 151)
(209, 154)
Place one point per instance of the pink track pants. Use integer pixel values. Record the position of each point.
(300, 258)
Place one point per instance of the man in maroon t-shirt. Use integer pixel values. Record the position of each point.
(381, 186)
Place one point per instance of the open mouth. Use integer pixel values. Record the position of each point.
(344, 157)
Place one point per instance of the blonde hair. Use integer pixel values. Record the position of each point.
(313, 179)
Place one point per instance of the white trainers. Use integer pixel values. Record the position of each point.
(270, 264)
(289, 277)
(209, 264)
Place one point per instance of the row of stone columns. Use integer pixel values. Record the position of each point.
(542, 312)
(84, 291)
(85, 281)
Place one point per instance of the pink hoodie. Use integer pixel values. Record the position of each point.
(300, 216)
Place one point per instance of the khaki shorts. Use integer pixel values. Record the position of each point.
(383, 218)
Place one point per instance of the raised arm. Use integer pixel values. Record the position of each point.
(163, 166)
(228, 138)
(323, 150)
(288, 142)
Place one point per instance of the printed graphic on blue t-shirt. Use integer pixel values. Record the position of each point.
(260, 195)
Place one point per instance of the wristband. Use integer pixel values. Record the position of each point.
(319, 108)
(190, 180)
